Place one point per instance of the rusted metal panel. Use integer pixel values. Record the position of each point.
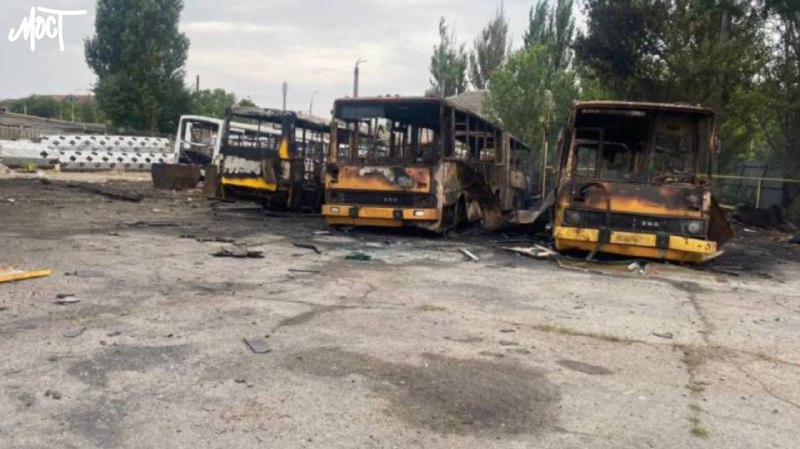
(176, 177)
(384, 178)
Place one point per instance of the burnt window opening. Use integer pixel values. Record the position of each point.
(197, 142)
(390, 133)
(639, 146)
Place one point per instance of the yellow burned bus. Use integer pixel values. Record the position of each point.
(421, 162)
(273, 157)
(634, 179)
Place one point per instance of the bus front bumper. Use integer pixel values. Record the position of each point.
(348, 215)
(635, 244)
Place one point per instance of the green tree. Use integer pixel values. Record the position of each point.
(490, 50)
(448, 64)
(700, 51)
(554, 28)
(212, 103)
(138, 55)
(247, 103)
(533, 91)
(38, 105)
(782, 127)
(529, 97)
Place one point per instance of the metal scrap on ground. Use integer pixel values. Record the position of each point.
(8, 274)
(238, 252)
(110, 192)
(535, 252)
(258, 345)
(307, 246)
(469, 254)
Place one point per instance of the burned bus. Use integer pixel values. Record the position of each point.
(634, 180)
(424, 163)
(274, 158)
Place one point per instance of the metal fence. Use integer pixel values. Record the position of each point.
(761, 192)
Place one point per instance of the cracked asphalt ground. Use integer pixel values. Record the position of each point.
(417, 348)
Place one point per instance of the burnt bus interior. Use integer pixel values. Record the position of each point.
(198, 139)
(423, 132)
(640, 146)
(278, 176)
(389, 134)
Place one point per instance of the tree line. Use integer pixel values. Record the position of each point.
(740, 57)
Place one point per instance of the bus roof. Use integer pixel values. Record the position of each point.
(643, 106)
(416, 101)
(276, 116)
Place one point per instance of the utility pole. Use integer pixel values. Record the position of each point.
(311, 106)
(197, 84)
(356, 74)
(285, 94)
(549, 105)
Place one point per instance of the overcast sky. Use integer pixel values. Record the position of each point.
(250, 47)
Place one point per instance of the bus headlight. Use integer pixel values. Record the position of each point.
(335, 210)
(695, 227)
(419, 213)
(572, 218)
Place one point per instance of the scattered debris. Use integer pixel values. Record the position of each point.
(53, 394)
(665, 336)
(240, 380)
(638, 267)
(734, 271)
(215, 240)
(5, 170)
(114, 334)
(63, 299)
(359, 257)
(322, 233)
(507, 331)
(508, 343)
(469, 254)
(86, 274)
(74, 332)
(110, 192)
(258, 345)
(534, 252)
(307, 246)
(795, 240)
(293, 270)
(8, 274)
(11, 200)
(238, 252)
(150, 224)
(748, 215)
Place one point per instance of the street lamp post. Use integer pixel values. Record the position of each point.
(356, 74)
(285, 94)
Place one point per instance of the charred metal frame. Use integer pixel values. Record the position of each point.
(460, 170)
(273, 157)
(640, 212)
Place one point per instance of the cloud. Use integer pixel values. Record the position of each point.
(250, 47)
